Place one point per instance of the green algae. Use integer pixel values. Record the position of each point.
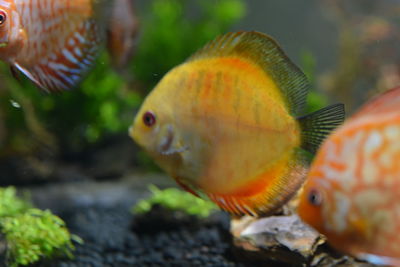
(31, 234)
(177, 200)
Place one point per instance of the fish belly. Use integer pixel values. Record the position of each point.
(236, 124)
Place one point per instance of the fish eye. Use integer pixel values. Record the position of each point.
(149, 119)
(315, 197)
(3, 17)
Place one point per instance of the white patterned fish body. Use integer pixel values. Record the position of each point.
(352, 194)
(53, 42)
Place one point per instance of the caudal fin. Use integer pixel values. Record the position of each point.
(315, 127)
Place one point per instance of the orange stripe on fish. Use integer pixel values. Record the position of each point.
(262, 196)
(352, 193)
(232, 132)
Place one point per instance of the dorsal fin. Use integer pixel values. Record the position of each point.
(265, 52)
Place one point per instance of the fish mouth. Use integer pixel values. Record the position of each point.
(166, 146)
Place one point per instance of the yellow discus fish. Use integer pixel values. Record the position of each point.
(223, 124)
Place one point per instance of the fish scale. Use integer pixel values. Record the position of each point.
(221, 124)
(55, 42)
(63, 70)
(353, 186)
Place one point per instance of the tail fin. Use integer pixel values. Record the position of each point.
(315, 127)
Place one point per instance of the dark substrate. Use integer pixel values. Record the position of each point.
(113, 237)
(93, 194)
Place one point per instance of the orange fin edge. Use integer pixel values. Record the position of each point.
(269, 192)
(186, 188)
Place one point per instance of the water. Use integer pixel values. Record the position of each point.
(350, 51)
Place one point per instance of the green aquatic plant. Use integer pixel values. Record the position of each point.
(10, 204)
(85, 114)
(174, 29)
(175, 199)
(105, 102)
(31, 234)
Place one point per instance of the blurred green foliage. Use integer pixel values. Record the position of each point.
(175, 199)
(10, 204)
(104, 104)
(174, 29)
(30, 233)
(315, 100)
(71, 118)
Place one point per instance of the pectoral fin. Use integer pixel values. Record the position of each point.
(315, 127)
(170, 143)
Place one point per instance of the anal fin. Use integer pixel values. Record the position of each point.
(269, 192)
(186, 188)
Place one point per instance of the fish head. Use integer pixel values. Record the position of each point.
(154, 130)
(330, 211)
(317, 199)
(326, 204)
(312, 200)
(11, 33)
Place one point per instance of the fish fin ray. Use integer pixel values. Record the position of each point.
(265, 52)
(315, 127)
(272, 190)
(15, 72)
(25, 72)
(187, 188)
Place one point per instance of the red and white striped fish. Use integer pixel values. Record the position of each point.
(352, 194)
(55, 42)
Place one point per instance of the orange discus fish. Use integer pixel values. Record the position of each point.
(352, 194)
(55, 42)
(223, 124)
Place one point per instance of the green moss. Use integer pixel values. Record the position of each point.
(31, 234)
(175, 199)
(10, 205)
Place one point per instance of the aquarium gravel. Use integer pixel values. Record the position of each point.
(114, 237)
